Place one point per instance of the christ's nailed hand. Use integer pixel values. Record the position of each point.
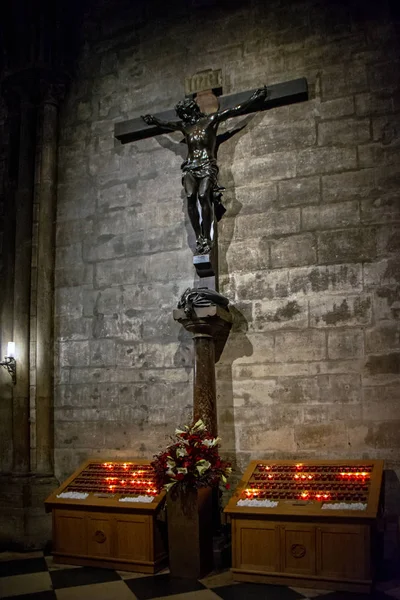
(259, 94)
(149, 119)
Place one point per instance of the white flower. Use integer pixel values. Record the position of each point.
(199, 426)
(211, 443)
(202, 466)
(181, 452)
(182, 470)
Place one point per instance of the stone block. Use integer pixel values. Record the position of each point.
(380, 403)
(106, 247)
(146, 355)
(373, 103)
(371, 155)
(249, 348)
(295, 346)
(102, 353)
(293, 251)
(252, 198)
(381, 76)
(74, 354)
(384, 209)
(329, 413)
(255, 439)
(334, 278)
(334, 109)
(385, 435)
(105, 326)
(346, 132)
(105, 165)
(382, 273)
(299, 191)
(252, 393)
(345, 343)
(157, 325)
(270, 167)
(261, 284)
(382, 338)
(338, 311)
(330, 216)
(73, 232)
(70, 329)
(340, 388)
(388, 240)
(175, 265)
(324, 437)
(357, 185)
(240, 256)
(343, 79)
(76, 201)
(93, 392)
(272, 135)
(77, 434)
(73, 276)
(387, 303)
(316, 161)
(122, 271)
(350, 245)
(274, 416)
(271, 223)
(115, 196)
(270, 315)
(296, 390)
(160, 189)
(385, 129)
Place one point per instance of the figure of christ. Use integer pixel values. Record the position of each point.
(200, 169)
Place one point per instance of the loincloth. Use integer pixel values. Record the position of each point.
(207, 169)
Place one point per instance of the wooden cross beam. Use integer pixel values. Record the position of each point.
(279, 94)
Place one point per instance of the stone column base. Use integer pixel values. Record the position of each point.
(24, 524)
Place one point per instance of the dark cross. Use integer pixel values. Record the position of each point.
(201, 118)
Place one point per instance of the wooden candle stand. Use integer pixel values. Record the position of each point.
(319, 530)
(100, 529)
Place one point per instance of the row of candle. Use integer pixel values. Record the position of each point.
(344, 469)
(316, 476)
(320, 496)
(307, 486)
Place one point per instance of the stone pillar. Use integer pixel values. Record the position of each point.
(47, 195)
(24, 161)
(208, 325)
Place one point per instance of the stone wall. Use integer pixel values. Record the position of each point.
(309, 246)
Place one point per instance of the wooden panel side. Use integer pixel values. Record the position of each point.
(298, 548)
(256, 545)
(341, 552)
(132, 537)
(69, 532)
(99, 534)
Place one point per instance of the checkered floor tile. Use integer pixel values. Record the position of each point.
(33, 576)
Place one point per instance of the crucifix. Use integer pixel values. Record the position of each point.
(200, 114)
(203, 311)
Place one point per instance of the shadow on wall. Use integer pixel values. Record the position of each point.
(237, 346)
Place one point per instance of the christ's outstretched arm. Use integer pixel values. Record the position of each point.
(171, 125)
(256, 97)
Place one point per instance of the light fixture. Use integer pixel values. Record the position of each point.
(9, 362)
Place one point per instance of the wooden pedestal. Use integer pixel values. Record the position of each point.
(296, 541)
(190, 533)
(129, 541)
(100, 530)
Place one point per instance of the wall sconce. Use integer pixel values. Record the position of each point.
(9, 362)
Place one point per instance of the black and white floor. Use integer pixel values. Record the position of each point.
(33, 576)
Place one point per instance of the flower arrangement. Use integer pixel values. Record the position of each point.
(193, 461)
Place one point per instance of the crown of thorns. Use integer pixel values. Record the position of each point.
(186, 104)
